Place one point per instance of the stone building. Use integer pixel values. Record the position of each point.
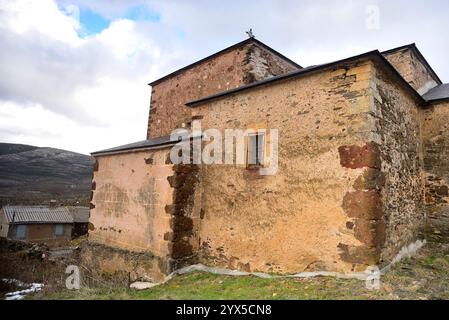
(361, 162)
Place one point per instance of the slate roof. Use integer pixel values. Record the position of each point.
(79, 214)
(150, 143)
(37, 214)
(154, 142)
(440, 92)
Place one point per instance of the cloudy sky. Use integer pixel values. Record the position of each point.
(74, 73)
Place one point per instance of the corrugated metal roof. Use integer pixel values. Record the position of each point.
(438, 93)
(79, 214)
(37, 214)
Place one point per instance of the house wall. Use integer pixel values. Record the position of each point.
(142, 206)
(43, 233)
(412, 70)
(435, 124)
(295, 220)
(129, 199)
(226, 71)
(397, 121)
(4, 226)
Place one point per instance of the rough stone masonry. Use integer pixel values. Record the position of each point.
(362, 161)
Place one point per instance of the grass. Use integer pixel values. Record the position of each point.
(200, 285)
(423, 277)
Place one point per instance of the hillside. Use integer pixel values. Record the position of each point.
(32, 175)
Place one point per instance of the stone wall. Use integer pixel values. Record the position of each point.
(295, 220)
(4, 225)
(435, 134)
(412, 69)
(185, 215)
(400, 181)
(228, 70)
(111, 264)
(260, 64)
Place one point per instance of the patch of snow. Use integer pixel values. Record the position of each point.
(405, 252)
(19, 295)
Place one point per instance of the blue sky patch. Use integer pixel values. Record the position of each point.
(142, 12)
(92, 22)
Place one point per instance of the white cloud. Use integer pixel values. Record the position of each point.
(58, 89)
(87, 93)
(42, 16)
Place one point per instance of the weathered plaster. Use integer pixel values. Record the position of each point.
(293, 221)
(129, 201)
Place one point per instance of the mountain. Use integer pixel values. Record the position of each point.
(33, 175)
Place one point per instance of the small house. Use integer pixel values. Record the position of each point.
(40, 224)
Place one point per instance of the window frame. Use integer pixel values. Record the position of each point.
(260, 140)
(56, 230)
(25, 231)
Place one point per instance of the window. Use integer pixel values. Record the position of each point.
(256, 146)
(21, 231)
(59, 230)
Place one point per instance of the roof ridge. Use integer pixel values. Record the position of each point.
(236, 45)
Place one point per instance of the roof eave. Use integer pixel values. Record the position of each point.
(306, 71)
(135, 149)
(163, 145)
(437, 101)
(39, 222)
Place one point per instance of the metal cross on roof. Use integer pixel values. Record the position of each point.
(250, 33)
